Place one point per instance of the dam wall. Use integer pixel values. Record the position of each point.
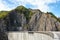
(29, 36)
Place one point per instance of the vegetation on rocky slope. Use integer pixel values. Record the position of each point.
(53, 16)
(25, 11)
(3, 14)
(19, 9)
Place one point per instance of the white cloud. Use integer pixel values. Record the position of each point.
(40, 4)
(2, 6)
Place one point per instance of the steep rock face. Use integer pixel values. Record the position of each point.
(15, 21)
(23, 19)
(2, 25)
(57, 26)
(45, 22)
(3, 36)
(34, 20)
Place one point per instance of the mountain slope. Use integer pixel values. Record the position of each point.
(45, 22)
(23, 19)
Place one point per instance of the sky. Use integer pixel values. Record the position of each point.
(44, 5)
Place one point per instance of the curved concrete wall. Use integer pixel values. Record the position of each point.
(28, 36)
(56, 35)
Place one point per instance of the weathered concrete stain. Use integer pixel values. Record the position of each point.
(28, 36)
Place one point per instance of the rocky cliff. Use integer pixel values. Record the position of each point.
(23, 19)
(44, 22)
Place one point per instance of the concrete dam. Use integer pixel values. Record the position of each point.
(30, 36)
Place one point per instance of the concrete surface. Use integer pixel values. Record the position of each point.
(56, 35)
(29, 36)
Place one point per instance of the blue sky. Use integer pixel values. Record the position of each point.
(44, 5)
